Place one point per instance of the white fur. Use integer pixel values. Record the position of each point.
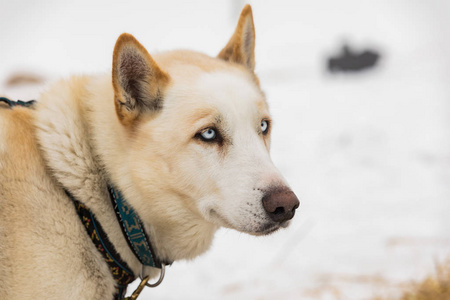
(246, 169)
(183, 188)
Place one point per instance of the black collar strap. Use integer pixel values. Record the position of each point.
(120, 271)
(12, 103)
(134, 233)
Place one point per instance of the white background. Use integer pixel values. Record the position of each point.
(367, 153)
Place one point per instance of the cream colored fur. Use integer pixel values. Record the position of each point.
(183, 188)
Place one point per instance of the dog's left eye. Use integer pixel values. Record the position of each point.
(264, 126)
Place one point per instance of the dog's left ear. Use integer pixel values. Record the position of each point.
(241, 47)
(138, 81)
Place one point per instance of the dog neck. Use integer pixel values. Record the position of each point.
(83, 144)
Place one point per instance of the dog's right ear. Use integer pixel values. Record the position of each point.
(137, 80)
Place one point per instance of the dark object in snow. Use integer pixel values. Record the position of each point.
(352, 61)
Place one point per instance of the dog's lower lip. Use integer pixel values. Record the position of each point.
(285, 224)
(263, 230)
(269, 229)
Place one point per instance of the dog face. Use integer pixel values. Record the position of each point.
(199, 132)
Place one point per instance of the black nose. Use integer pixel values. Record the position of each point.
(280, 204)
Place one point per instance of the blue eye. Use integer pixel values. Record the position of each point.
(208, 134)
(264, 126)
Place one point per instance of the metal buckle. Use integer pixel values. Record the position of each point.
(145, 283)
(161, 277)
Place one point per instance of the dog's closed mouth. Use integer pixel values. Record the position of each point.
(269, 229)
(265, 229)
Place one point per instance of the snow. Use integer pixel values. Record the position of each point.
(367, 153)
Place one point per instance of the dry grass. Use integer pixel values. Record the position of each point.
(435, 287)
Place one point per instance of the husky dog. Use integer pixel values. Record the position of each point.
(183, 136)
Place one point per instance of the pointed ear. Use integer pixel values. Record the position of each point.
(137, 80)
(241, 47)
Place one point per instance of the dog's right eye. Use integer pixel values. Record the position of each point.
(208, 135)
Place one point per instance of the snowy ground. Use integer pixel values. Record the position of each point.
(368, 154)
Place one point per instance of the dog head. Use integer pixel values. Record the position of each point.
(198, 132)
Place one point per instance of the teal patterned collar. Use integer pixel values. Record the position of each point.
(133, 230)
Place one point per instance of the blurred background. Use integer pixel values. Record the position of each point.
(361, 134)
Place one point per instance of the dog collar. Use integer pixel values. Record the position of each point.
(134, 233)
(133, 230)
(120, 271)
